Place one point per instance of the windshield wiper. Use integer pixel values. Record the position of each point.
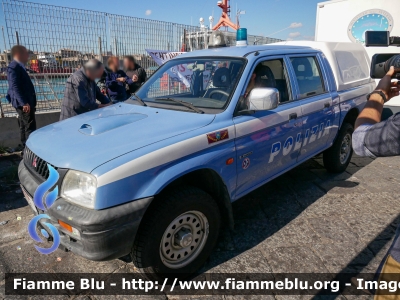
(184, 103)
(139, 99)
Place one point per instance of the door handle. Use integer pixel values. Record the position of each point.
(327, 104)
(293, 116)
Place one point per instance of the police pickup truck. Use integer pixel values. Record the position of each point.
(155, 176)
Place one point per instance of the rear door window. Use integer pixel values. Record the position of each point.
(308, 75)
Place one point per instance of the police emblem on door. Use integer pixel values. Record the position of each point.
(245, 163)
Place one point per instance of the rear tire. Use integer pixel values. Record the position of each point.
(177, 234)
(338, 156)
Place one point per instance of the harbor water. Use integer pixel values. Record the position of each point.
(47, 88)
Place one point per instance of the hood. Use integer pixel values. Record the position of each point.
(86, 141)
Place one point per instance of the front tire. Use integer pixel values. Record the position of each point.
(338, 156)
(177, 235)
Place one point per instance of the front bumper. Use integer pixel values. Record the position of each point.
(104, 234)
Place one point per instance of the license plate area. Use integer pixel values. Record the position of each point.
(29, 199)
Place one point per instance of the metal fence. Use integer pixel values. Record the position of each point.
(61, 39)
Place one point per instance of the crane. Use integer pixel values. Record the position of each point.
(225, 20)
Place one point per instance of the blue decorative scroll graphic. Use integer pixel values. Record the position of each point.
(44, 199)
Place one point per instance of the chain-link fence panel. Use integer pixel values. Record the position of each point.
(132, 36)
(59, 40)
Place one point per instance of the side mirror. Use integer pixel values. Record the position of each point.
(263, 99)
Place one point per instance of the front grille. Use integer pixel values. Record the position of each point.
(36, 165)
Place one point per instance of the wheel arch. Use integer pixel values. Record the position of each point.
(351, 116)
(209, 181)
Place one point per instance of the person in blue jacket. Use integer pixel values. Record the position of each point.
(116, 81)
(21, 92)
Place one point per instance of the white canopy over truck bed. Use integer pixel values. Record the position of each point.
(356, 17)
(349, 61)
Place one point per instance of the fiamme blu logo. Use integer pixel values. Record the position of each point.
(43, 200)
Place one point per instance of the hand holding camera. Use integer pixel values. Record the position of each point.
(389, 88)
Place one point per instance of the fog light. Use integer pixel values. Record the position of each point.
(75, 232)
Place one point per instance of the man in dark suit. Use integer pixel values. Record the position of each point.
(21, 92)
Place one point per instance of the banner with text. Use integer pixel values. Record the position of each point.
(162, 56)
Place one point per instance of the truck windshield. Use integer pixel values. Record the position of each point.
(199, 82)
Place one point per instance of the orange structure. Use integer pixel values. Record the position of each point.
(225, 20)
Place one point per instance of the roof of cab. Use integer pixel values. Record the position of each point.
(239, 51)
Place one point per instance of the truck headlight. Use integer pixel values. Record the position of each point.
(80, 188)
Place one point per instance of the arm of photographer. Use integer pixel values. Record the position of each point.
(372, 137)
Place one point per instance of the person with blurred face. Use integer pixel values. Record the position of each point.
(135, 72)
(81, 91)
(116, 80)
(21, 92)
(375, 137)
